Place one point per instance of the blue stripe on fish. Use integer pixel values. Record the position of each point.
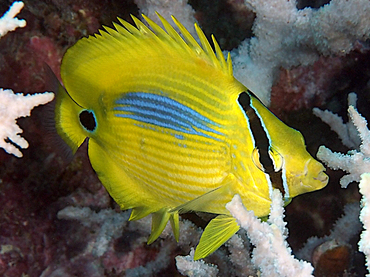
(165, 112)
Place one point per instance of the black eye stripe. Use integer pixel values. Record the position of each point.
(262, 141)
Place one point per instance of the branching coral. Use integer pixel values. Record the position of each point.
(272, 253)
(13, 106)
(8, 22)
(356, 163)
(187, 266)
(181, 9)
(285, 36)
(364, 243)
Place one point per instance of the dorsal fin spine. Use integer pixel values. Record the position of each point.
(189, 40)
(206, 46)
(219, 54)
(171, 31)
(229, 64)
(169, 35)
(155, 27)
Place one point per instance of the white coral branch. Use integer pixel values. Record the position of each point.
(272, 253)
(364, 243)
(355, 162)
(285, 36)
(13, 106)
(187, 266)
(8, 22)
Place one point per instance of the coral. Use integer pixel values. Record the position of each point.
(8, 22)
(272, 254)
(117, 245)
(319, 251)
(364, 243)
(355, 162)
(346, 132)
(304, 87)
(181, 9)
(285, 36)
(238, 256)
(12, 107)
(106, 247)
(187, 266)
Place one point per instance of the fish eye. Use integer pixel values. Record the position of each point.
(275, 156)
(88, 120)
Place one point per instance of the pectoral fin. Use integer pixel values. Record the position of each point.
(198, 204)
(215, 197)
(217, 232)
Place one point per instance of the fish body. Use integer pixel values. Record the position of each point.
(171, 130)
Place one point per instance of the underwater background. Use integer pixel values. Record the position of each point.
(56, 219)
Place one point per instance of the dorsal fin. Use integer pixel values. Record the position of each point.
(140, 38)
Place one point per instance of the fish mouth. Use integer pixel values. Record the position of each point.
(313, 165)
(322, 177)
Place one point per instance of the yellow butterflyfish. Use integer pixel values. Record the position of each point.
(170, 130)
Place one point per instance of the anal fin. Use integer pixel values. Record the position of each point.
(217, 232)
(159, 222)
(139, 212)
(174, 219)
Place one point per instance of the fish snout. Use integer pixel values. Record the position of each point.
(316, 172)
(322, 177)
(312, 177)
